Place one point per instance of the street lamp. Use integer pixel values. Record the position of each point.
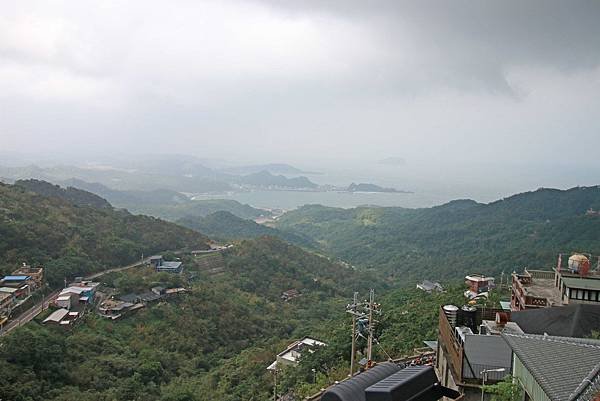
(484, 373)
(314, 375)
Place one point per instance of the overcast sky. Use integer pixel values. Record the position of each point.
(430, 81)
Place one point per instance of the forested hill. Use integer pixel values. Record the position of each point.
(447, 241)
(73, 195)
(166, 204)
(212, 343)
(71, 239)
(226, 226)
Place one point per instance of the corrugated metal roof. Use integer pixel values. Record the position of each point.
(56, 316)
(560, 365)
(485, 352)
(582, 283)
(16, 278)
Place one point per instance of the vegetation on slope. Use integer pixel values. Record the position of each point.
(70, 194)
(462, 236)
(216, 341)
(71, 240)
(213, 342)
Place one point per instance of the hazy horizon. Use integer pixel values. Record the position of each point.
(487, 98)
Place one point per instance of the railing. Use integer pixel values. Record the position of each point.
(535, 302)
(489, 314)
(541, 274)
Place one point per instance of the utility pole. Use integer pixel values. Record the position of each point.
(275, 385)
(353, 309)
(370, 339)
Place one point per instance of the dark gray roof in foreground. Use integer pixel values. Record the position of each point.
(577, 320)
(562, 366)
(354, 389)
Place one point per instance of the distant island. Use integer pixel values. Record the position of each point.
(365, 187)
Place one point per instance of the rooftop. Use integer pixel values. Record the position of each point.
(57, 316)
(582, 283)
(170, 265)
(576, 320)
(16, 278)
(563, 366)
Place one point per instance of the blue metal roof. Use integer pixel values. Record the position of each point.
(16, 278)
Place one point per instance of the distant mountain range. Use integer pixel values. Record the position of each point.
(273, 168)
(167, 204)
(266, 179)
(183, 175)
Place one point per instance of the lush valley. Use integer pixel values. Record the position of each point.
(224, 225)
(528, 229)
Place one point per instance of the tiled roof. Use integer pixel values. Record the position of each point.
(562, 366)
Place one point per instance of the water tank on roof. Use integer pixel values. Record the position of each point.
(579, 263)
(469, 317)
(451, 312)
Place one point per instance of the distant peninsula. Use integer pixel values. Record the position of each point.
(365, 187)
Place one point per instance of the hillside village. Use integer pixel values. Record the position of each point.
(539, 338)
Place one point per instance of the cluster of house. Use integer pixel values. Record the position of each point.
(541, 338)
(18, 286)
(116, 307)
(72, 302)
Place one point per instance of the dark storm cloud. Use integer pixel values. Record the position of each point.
(471, 43)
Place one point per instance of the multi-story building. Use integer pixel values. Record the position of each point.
(35, 273)
(470, 348)
(574, 284)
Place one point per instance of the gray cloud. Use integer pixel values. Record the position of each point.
(433, 82)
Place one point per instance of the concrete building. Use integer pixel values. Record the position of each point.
(6, 303)
(470, 347)
(35, 273)
(479, 285)
(160, 265)
(292, 353)
(573, 284)
(430, 286)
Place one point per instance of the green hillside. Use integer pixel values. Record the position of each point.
(214, 342)
(226, 226)
(70, 239)
(528, 229)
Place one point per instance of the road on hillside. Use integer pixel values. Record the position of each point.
(118, 269)
(29, 314)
